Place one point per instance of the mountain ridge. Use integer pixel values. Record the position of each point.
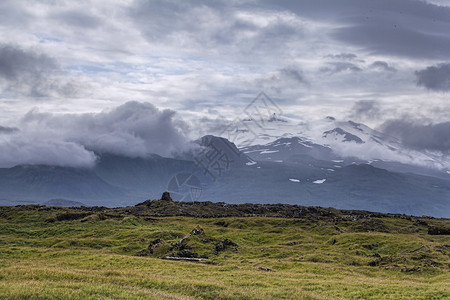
(290, 170)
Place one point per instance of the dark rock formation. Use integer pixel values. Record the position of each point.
(438, 230)
(195, 245)
(166, 197)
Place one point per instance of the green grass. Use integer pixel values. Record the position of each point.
(94, 256)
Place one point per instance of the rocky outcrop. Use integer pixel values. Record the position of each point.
(166, 197)
(196, 246)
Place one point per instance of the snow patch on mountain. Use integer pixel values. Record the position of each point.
(269, 151)
(319, 181)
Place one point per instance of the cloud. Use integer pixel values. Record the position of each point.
(232, 30)
(283, 80)
(24, 150)
(293, 74)
(13, 14)
(30, 73)
(133, 129)
(368, 109)
(435, 137)
(14, 62)
(195, 55)
(342, 56)
(382, 66)
(8, 130)
(405, 28)
(435, 78)
(78, 19)
(338, 67)
(390, 39)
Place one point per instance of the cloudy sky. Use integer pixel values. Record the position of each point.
(84, 75)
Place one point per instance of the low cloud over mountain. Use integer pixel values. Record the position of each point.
(435, 137)
(133, 129)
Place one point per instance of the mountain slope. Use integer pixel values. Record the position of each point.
(37, 183)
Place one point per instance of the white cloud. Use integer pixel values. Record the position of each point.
(134, 129)
(205, 58)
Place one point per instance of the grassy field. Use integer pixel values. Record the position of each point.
(68, 253)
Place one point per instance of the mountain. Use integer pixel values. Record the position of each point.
(290, 169)
(342, 135)
(346, 140)
(63, 203)
(222, 149)
(320, 183)
(141, 178)
(283, 149)
(35, 184)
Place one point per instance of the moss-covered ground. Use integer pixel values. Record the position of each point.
(70, 253)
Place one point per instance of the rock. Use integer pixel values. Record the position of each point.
(438, 230)
(166, 197)
(197, 231)
(195, 245)
(421, 222)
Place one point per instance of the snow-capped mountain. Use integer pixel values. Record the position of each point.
(329, 138)
(282, 149)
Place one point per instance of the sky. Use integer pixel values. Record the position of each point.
(136, 77)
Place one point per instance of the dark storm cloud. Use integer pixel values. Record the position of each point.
(435, 137)
(404, 27)
(133, 129)
(30, 73)
(365, 109)
(435, 78)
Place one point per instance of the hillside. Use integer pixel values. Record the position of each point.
(245, 251)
